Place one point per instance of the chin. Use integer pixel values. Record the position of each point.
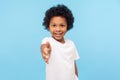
(58, 39)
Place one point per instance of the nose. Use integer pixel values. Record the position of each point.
(57, 28)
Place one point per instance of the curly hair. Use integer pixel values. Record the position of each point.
(59, 10)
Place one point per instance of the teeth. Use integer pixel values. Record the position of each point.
(58, 33)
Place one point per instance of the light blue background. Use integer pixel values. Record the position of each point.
(96, 34)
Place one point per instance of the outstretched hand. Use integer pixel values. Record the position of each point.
(46, 50)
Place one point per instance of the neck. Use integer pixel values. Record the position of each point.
(61, 40)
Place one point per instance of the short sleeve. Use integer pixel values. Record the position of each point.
(46, 39)
(76, 56)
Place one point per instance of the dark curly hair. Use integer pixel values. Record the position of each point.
(59, 10)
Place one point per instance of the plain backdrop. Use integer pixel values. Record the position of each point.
(96, 34)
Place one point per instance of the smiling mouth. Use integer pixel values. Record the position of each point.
(58, 34)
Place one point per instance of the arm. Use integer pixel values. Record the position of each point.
(76, 70)
(45, 50)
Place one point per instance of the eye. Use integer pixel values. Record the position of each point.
(53, 25)
(62, 25)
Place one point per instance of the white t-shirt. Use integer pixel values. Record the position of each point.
(61, 61)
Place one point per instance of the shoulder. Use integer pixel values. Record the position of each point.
(46, 39)
(69, 41)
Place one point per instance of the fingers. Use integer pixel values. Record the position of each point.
(46, 57)
(46, 54)
(46, 50)
(47, 60)
(48, 45)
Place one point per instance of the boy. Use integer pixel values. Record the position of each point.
(59, 53)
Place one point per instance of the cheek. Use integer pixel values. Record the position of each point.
(51, 31)
(65, 30)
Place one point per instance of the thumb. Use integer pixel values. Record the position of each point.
(47, 44)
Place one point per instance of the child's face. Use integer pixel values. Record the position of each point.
(58, 28)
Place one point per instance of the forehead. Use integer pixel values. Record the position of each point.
(58, 19)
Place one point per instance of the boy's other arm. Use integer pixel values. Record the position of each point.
(76, 70)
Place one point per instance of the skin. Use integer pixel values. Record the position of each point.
(45, 50)
(57, 28)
